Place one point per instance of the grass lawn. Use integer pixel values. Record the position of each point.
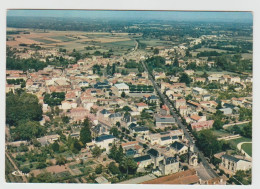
(220, 133)
(240, 127)
(62, 38)
(210, 72)
(247, 148)
(234, 142)
(45, 41)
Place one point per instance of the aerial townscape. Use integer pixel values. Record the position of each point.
(128, 100)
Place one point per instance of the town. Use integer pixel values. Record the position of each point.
(130, 103)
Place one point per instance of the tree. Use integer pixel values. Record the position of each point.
(217, 124)
(114, 131)
(42, 178)
(113, 151)
(22, 106)
(208, 143)
(60, 160)
(185, 167)
(123, 94)
(113, 168)
(41, 165)
(126, 109)
(191, 66)
(65, 119)
(55, 146)
(25, 170)
(85, 133)
(175, 62)
(156, 51)
(98, 169)
(26, 130)
(128, 166)
(247, 130)
(185, 78)
(118, 124)
(96, 151)
(219, 106)
(205, 75)
(119, 154)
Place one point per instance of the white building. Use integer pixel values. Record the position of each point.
(122, 87)
(234, 164)
(199, 91)
(104, 141)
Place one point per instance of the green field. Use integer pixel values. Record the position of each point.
(44, 40)
(62, 38)
(235, 142)
(220, 133)
(247, 147)
(209, 72)
(156, 42)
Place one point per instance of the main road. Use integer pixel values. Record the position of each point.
(188, 135)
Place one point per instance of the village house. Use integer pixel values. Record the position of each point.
(199, 91)
(183, 110)
(141, 106)
(104, 141)
(234, 164)
(115, 117)
(162, 122)
(179, 148)
(198, 126)
(180, 102)
(169, 165)
(142, 162)
(164, 138)
(122, 87)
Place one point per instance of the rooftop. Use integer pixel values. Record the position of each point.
(142, 158)
(104, 137)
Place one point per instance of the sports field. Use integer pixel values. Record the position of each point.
(247, 147)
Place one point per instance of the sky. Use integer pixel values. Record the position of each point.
(159, 15)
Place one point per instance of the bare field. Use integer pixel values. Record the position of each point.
(70, 39)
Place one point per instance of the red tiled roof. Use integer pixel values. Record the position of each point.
(141, 104)
(184, 177)
(195, 117)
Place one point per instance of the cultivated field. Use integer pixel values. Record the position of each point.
(103, 42)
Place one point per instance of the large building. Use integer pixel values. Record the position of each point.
(234, 164)
(122, 87)
(162, 122)
(198, 126)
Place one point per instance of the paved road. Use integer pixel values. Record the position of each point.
(188, 135)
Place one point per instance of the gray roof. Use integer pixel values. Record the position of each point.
(153, 152)
(115, 115)
(165, 138)
(104, 111)
(104, 137)
(165, 119)
(170, 160)
(142, 158)
(140, 129)
(177, 145)
(232, 158)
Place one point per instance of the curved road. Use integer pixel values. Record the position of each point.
(189, 136)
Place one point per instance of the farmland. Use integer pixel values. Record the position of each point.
(69, 40)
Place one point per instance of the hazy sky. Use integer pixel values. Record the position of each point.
(160, 15)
